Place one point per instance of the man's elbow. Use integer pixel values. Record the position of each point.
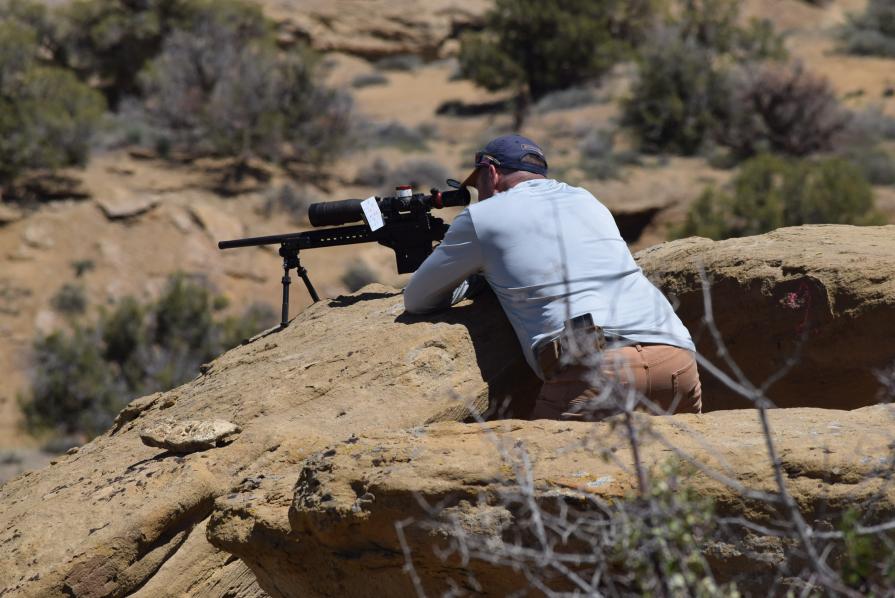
(418, 302)
(413, 303)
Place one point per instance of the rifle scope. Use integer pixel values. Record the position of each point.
(334, 213)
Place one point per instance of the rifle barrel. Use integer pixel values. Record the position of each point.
(252, 241)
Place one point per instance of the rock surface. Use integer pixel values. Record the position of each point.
(9, 214)
(111, 517)
(340, 537)
(374, 28)
(824, 293)
(345, 402)
(118, 202)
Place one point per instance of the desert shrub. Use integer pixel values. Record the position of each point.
(683, 90)
(82, 379)
(81, 267)
(289, 200)
(47, 116)
(358, 275)
(770, 192)
(781, 109)
(368, 80)
(872, 32)
(419, 174)
(109, 41)
(598, 156)
(535, 47)
(715, 25)
(867, 127)
(875, 163)
(73, 389)
(565, 99)
(70, 300)
(399, 62)
(679, 97)
(222, 87)
(373, 174)
(392, 133)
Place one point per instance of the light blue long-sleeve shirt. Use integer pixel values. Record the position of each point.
(551, 252)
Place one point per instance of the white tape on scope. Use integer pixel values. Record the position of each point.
(372, 215)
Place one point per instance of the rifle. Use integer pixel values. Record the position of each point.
(402, 223)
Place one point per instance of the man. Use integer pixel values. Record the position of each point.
(589, 322)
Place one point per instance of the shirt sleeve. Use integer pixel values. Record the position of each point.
(433, 285)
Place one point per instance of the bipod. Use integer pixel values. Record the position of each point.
(289, 252)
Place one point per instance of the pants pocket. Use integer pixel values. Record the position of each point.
(686, 390)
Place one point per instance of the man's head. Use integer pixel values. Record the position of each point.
(505, 162)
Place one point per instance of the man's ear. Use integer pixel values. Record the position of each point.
(494, 176)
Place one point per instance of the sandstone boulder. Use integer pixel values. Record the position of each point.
(118, 202)
(340, 417)
(119, 517)
(377, 28)
(454, 480)
(823, 294)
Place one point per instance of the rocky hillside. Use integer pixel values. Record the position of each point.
(282, 468)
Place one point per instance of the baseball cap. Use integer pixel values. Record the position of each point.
(508, 151)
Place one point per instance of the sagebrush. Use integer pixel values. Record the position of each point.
(82, 378)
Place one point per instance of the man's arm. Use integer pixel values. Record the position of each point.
(433, 285)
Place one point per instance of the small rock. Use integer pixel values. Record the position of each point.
(117, 202)
(219, 225)
(46, 321)
(9, 214)
(190, 436)
(180, 219)
(37, 235)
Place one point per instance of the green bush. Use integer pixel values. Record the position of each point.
(358, 275)
(770, 192)
(289, 200)
(47, 116)
(221, 86)
(73, 389)
(683, 92)
(872, 32)
(419, 174)
(70, 300)
(599, 158)
(679, 97)
(715, 25)
(876, 164)
(109, 41)
(81, 380)
(537, 46)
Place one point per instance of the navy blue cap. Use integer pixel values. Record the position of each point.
(509, 151)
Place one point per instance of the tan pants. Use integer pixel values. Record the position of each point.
(665, 376)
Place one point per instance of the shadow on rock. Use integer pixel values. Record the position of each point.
(349, 300)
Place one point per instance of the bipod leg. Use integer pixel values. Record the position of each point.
(284, 319)
(303, 272)
(289, 252)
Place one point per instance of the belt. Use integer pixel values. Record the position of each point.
(579, 337)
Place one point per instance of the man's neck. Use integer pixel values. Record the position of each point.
(520, 176)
